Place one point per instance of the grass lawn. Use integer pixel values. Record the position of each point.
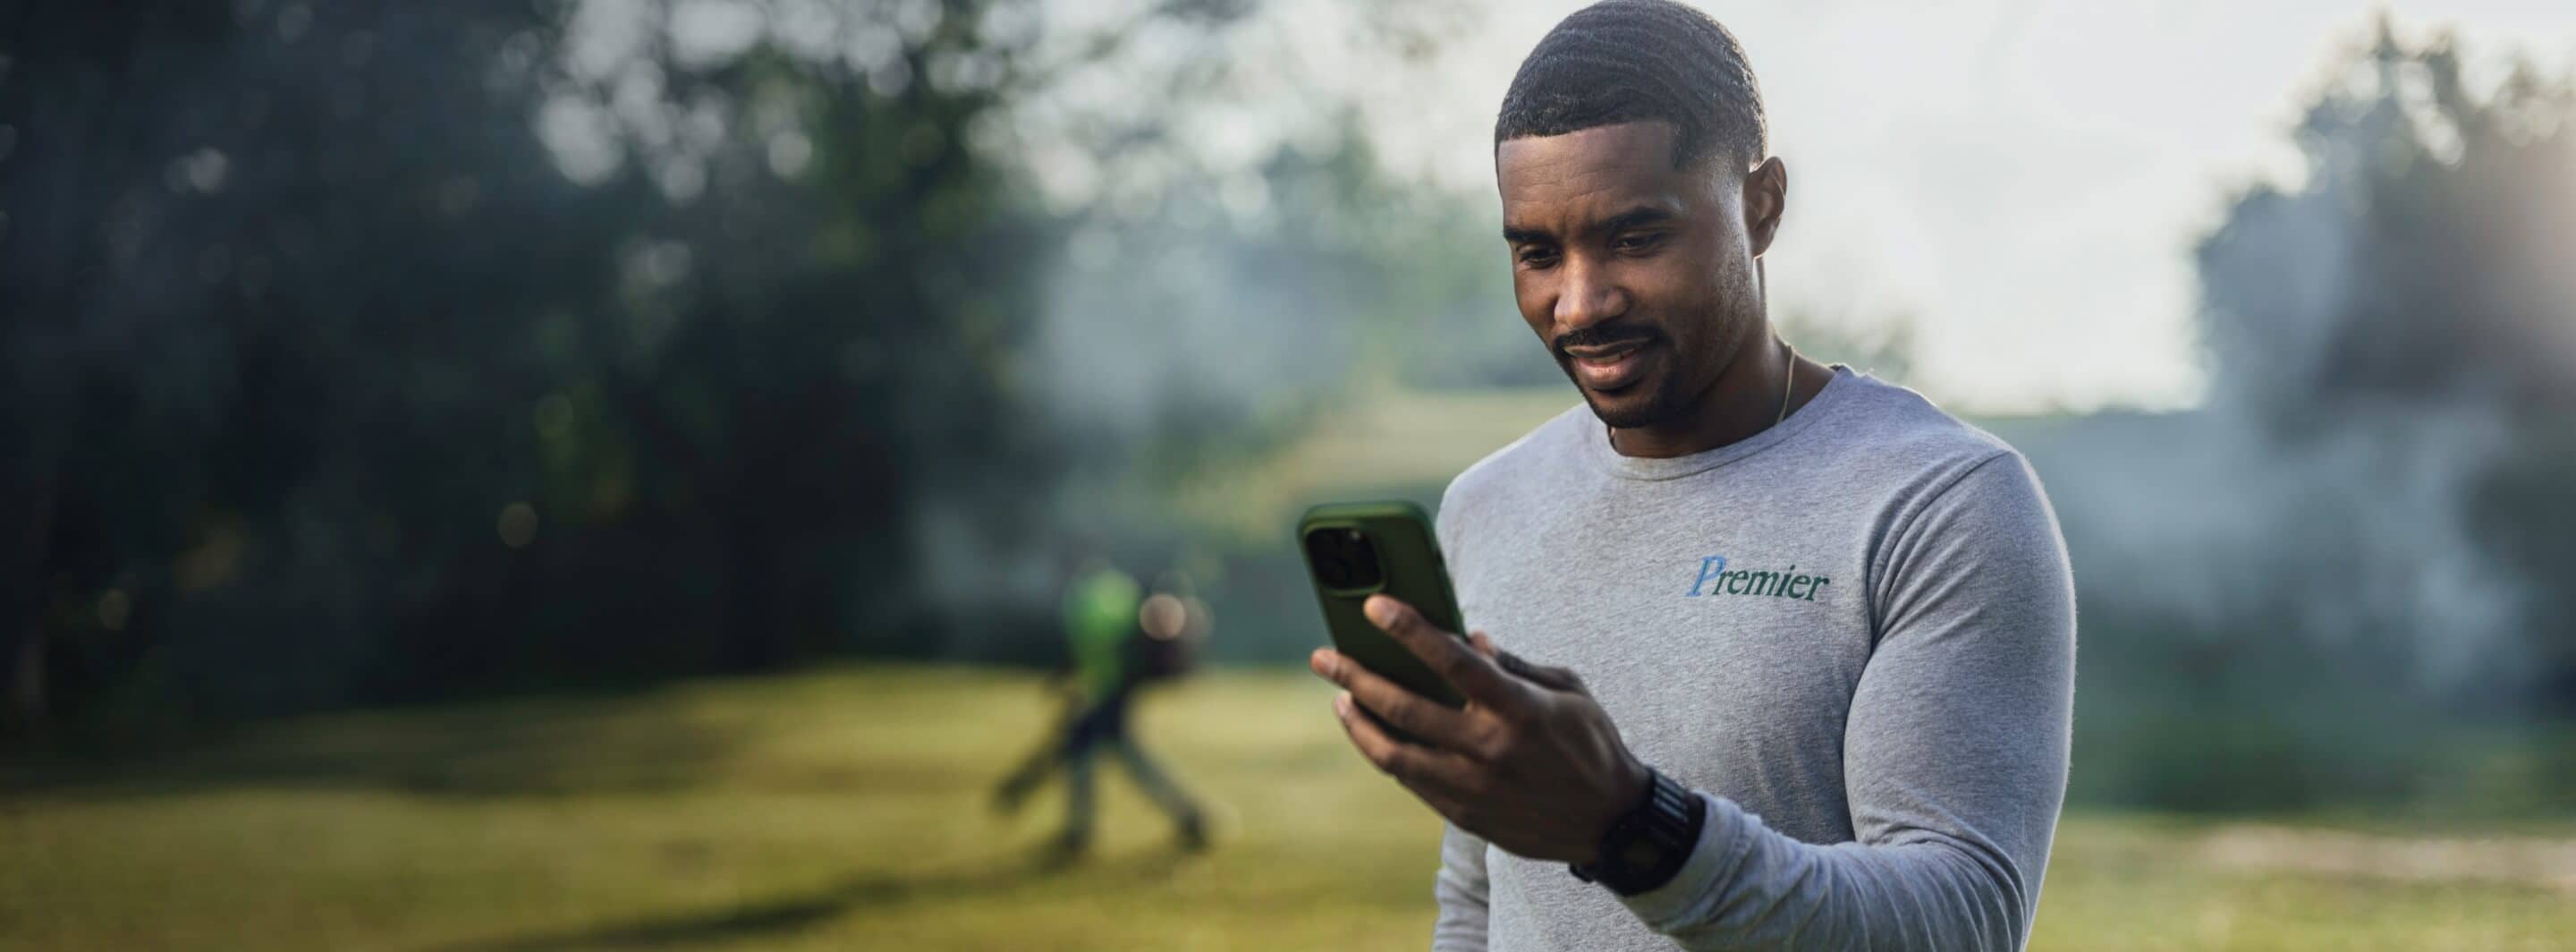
(846, 810)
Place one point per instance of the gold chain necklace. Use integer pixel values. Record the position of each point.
(1789, 383)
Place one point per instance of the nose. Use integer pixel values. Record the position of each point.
(1587, 296)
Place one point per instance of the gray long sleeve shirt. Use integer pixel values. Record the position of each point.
(1852, 633)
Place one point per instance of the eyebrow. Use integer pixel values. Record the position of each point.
(1640, 215)
(1634, 217)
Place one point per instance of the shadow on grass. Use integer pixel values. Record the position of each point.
(540, 745)
(799, 911)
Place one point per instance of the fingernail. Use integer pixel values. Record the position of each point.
(1342, 704)
(1380, 609)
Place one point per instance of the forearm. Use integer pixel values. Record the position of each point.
(1750, 887)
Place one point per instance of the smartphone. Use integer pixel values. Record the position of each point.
(1355, 550)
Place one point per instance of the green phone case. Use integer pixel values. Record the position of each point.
(1408, 557)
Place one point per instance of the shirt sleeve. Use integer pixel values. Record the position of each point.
(1461, 888)
(1954, 755)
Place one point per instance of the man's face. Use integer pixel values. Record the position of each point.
(1638, 276)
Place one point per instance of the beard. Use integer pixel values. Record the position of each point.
(1691, 358)
(1668, 396)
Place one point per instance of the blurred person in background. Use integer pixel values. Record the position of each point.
(1825, 630)
(1120, 640)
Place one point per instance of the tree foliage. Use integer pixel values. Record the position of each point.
(367, 351)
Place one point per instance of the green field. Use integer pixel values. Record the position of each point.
(846, 810)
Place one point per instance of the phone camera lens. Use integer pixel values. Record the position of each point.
(1344, 559)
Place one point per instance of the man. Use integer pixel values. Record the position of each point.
(1825, 631)
(1116, 638)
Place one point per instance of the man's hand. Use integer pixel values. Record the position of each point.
(1532, 764)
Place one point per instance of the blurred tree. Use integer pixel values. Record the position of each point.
(2413, 293)
(358, 351)
(262, 267)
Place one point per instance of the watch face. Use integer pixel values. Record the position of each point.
(1641, 853)
(1645, 848)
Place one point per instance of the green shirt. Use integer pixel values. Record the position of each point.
(1099, 616)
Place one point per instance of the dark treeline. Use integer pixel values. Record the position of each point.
(366, 352)
(326, 383)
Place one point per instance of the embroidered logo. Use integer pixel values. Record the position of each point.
(1715, 579)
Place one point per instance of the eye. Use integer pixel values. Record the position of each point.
(1637, 241)
(1535, 256)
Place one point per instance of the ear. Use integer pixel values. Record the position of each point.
(1766, 197)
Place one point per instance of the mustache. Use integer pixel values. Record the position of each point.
(1600, 335)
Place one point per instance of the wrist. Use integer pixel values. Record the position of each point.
(1646, 846)
(1630, 793)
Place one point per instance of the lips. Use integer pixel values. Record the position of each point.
(1609, 366)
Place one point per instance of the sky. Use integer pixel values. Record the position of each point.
(2023, 180)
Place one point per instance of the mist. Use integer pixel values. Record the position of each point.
(2340, 550)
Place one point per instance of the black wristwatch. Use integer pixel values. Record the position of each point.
(1647, 845)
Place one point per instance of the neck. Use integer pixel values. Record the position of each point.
(1744, 400)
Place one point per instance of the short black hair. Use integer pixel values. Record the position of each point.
(1623, 61)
